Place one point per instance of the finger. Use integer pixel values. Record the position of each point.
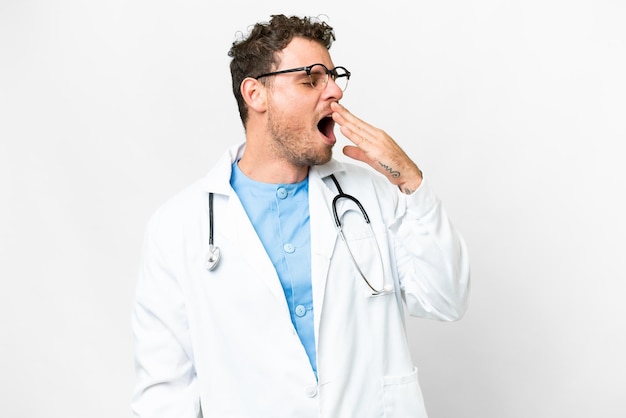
(355, 137)
(359, 136)
(344, 118)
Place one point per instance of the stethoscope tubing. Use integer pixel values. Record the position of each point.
(342, 195)
(213, 256)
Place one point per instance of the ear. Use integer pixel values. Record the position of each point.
(254, 94)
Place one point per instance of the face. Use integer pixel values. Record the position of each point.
(298, 119)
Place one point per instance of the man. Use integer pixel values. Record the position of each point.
(276, 285)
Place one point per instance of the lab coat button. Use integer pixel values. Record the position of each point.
(300, 310)
(310, 391)
(289, 248)
(281, 193)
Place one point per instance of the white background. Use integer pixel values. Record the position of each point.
(515, 110)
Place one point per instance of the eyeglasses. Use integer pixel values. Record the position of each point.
(318, 75)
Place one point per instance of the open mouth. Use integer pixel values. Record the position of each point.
(326, 126)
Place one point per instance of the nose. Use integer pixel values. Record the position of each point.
(333, 89)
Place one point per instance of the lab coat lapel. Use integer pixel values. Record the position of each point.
(237, 227)
(323, 238)
(241, 232)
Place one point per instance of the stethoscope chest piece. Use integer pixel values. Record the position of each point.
(213, 257)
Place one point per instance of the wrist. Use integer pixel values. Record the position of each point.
(410, 186)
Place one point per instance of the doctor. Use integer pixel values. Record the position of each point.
(276, 285)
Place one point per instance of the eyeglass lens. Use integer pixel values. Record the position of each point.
(319, 77)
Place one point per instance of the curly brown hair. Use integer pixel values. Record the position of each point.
(257, 54)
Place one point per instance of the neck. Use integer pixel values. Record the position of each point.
(269, 169)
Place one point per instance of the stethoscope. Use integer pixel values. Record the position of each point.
(213, 256)
(342, 195)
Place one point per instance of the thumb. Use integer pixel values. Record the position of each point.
(356, 153)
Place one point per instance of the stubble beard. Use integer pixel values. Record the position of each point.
(294, 145)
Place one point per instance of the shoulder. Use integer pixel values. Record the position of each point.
(187, 205)
(179, 209)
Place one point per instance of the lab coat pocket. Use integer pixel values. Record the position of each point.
(403, 396)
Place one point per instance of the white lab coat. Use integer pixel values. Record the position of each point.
(221, 343)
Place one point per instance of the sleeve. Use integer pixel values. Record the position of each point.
(166, 383)
(431, 256)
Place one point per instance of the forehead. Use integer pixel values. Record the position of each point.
(301, 52)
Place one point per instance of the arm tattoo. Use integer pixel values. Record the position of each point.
(394, 174)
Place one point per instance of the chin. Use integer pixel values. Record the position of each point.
(319, 158)
(325, 157)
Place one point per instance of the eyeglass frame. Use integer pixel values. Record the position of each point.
(331, 73)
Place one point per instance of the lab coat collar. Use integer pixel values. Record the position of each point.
(323, 171)
(218, 179)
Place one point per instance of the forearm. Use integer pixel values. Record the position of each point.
(432, 259)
